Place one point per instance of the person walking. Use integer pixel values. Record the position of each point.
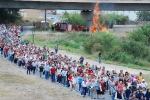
(99, 56)
(47, 68)
(34, 64)
(84, 86)
(113, 91)
(41, 68)
(53, 72)
(56, 48)
(28, 67)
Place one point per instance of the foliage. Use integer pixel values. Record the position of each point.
(133, 51)
(143, 16)
(74, 18)
(113, 19)
(9, 15)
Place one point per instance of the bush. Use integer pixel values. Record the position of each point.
(137, 49)
(101, 41)
(27, 40)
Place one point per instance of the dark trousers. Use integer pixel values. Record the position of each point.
(28, 69)
(84, 91)
(59, 78)
(53, 77)
(33, 68)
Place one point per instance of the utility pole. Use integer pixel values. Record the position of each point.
(45, 20)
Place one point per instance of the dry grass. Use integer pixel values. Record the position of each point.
(15, 84)
(9, 78)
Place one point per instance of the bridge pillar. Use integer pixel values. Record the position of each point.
(88, 16)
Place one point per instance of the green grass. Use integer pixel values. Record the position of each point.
(38, 42)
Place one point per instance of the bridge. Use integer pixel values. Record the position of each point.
(109, 5)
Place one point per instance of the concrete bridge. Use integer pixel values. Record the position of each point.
(110, 5)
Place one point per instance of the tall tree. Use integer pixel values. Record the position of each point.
(143, 16)
(9, 15)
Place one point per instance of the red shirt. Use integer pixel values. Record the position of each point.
(6, 50)
(70, 78)
(89, 71)
(102, 85)
(53, 70)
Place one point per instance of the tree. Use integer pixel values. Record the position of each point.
(113, 19)
(9, 15)
(74, 18)
(143, 16)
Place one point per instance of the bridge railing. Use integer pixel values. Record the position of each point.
(93, 1)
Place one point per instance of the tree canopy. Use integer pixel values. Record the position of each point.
(74, 18)
(113, 19)
(9, 15)
(143, 16)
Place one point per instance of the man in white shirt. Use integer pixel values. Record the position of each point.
(34, 65)
(64, 76)
(143, 84)
(47, 72)
(84, 87)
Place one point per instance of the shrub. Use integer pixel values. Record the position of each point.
(101, 41)
(27, 40)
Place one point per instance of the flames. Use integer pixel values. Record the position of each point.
(96, 23)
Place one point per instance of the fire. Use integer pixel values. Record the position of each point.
(96, 22)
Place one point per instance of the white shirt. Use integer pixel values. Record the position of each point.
(34, 63)
(58, 71)
(84, 84)
(64, 73)
(144, 85)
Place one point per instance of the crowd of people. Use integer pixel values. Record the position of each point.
(90, 80)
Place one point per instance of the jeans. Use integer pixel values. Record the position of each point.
(113, 96)
(19, 64)
(84, 91)
(80, 86)
(59, 78)
(64, 80)
(47, 74)
(53, 77)
(41, 74)
(28, 69)
(56, 50)
(1, 51)
(99, 59)
(89, 90)
(33, 68)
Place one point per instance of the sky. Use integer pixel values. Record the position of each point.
(131, 14)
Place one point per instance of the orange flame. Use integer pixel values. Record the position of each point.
(96, 22)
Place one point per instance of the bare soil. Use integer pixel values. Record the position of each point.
(15, 84)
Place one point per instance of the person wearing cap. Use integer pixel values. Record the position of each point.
(143, 84)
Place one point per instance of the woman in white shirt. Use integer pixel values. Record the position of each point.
(74, 81)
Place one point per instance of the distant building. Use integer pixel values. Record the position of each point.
(35, 14)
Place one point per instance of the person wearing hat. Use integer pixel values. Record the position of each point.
(143, 84)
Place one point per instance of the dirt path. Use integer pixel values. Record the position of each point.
(108, 66)
(15, 84)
